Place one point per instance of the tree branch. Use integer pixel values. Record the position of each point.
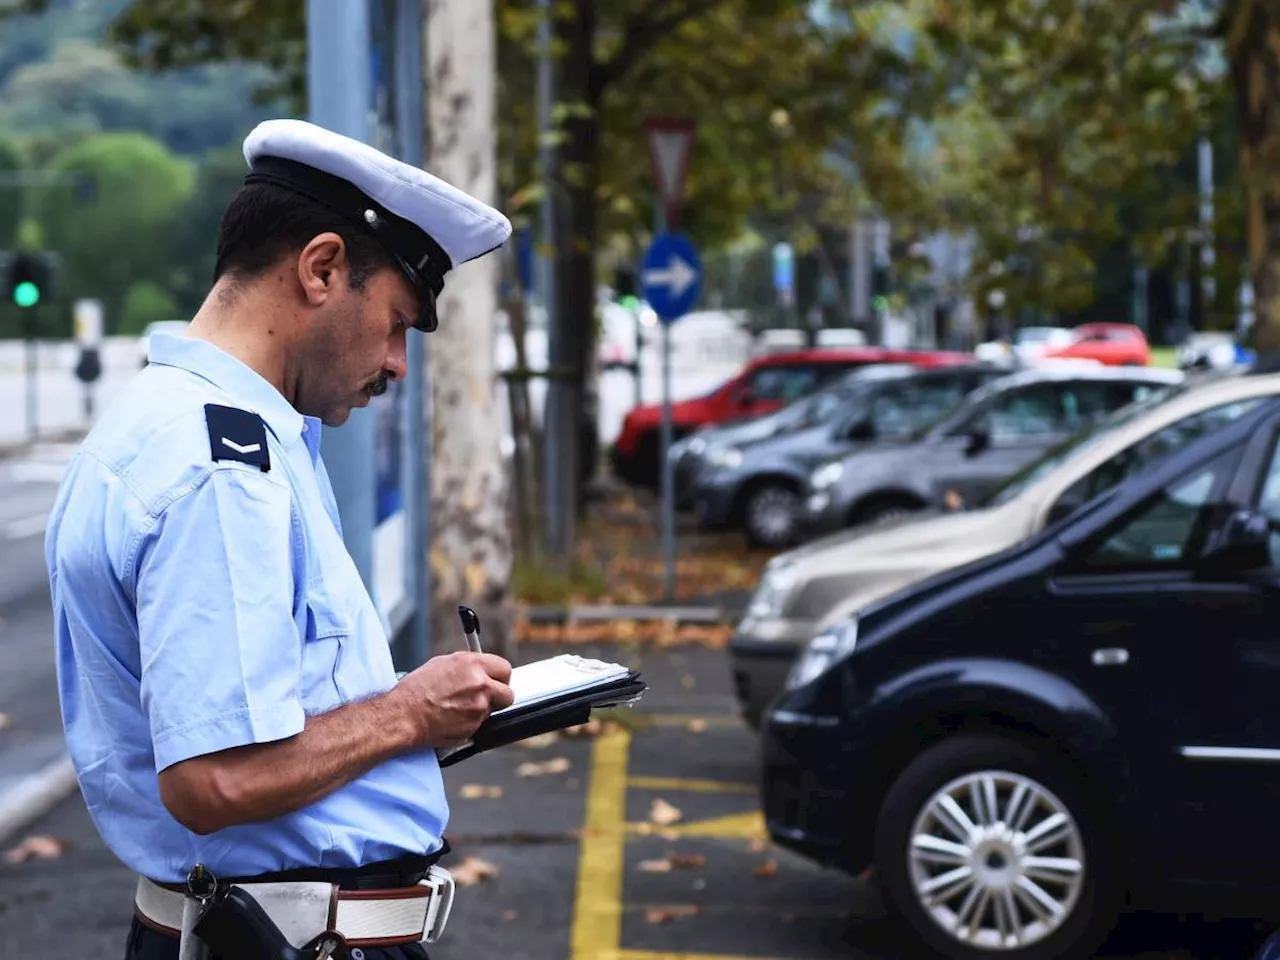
(641, 33)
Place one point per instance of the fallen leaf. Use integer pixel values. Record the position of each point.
(655, 866)
(767, 869)
(509, 915)
(663, 813)
(473, 870)
(696, 726)
(688, 860)
(756, 845)
(532, 769)
(4, 721)
(669, 835)
(37, 848)
(474, 791)
(540, 742)
(688, 682)
(667, 914)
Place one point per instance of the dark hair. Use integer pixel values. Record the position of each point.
(264, 222)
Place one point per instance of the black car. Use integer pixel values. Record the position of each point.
(757, 483)
(1017, 743)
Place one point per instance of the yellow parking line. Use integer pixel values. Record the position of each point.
(653, 955)
(736, 826)
(597, 911)
(693, 786)
(721, 720)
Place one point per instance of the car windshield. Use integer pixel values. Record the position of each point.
(1077, 443)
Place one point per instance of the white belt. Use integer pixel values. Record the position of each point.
(303, 911)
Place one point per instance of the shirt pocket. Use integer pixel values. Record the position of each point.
(328, 628)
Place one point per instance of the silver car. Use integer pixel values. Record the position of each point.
(805, 590)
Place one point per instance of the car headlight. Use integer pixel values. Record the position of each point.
(772, 592)
(827, 648)
(697, 445)
(726, 458)
(826, 475)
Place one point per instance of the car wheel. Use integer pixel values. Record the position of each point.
(770, 516)
(988, 847)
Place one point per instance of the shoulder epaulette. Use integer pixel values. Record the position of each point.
(236, 434)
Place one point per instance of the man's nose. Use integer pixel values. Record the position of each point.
(397, 365)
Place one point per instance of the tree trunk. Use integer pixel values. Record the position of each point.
(1253, 45)
(470, 554)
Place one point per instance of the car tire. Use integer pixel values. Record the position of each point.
(913, 815)
(771, 516)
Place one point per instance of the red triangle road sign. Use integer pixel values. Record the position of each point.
(670, 142)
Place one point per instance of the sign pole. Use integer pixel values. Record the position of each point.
(668, 471)
(672, 281)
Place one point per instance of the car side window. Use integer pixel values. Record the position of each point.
(783, 383)
(1165, 531)
(1034, 411)
(1269, 504)
(1140, 455)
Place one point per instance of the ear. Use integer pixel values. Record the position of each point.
(322, 267)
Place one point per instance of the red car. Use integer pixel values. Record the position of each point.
(764, 385)
(1112, 344)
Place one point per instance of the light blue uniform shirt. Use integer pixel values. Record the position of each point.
(204, 604)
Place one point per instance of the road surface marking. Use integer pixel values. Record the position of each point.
(658, 955)
(597, 911)
(736, 826)
(691, 786)
(26, 527)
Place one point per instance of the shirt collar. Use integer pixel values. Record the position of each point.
(224, 371)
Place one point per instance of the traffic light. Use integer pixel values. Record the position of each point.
(881, 287)
(29, 279)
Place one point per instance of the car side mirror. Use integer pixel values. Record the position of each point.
(1244, 543)
(860, 430)
(979, 440)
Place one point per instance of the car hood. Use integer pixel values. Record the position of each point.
(743, 432)
(846, 571)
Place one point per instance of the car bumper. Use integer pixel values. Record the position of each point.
(811, 771)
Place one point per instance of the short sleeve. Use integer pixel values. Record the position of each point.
(220, 651)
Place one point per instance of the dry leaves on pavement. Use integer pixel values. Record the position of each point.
(673, 861)
(590, 730)
(476, 791)
(5, 722)
(37, 848)
(697, 725)
(534, 769)
(539, 742)
(473, 870)
(663, 813)
(767, 869)
(674, 912)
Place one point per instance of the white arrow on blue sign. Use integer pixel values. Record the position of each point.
(672, 276)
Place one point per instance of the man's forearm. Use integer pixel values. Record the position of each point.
(263, 781)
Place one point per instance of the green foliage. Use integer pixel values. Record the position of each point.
(195, 234)
(11, 160)
(123, 234)
(145, 302)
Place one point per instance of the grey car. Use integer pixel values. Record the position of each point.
(997, 431)
(756, 484)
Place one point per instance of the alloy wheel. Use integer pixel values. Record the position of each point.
(996, 860)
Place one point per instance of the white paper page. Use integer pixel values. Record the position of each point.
(567, 673)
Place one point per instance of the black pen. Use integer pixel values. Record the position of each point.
(470, 628)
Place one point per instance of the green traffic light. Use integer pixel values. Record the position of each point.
(26, 294)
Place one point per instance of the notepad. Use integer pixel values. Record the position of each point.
(568, 673)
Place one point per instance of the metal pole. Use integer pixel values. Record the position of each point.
(1208, 285)
(666, 466)
(555, 411)
(340, 95)
(410, 78)
(33, 387)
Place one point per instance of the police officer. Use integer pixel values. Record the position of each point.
(227, 690)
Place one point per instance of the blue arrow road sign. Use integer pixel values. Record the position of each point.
(672, 276)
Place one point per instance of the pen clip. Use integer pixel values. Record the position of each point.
(470, 627)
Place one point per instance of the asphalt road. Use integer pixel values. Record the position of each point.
(580, 868)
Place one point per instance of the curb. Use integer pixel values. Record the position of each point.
(589, 613)
(35, 795)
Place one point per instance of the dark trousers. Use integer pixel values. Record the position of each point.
(146, 944)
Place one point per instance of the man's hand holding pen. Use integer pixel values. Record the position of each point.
(450, 696)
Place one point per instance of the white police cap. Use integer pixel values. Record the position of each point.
(427, 225)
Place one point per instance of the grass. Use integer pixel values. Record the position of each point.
(536, 582)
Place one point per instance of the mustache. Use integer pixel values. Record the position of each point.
(377, 387)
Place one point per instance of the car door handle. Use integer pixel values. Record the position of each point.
(1110, 657)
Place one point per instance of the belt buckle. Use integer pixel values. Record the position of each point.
(440, 881)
